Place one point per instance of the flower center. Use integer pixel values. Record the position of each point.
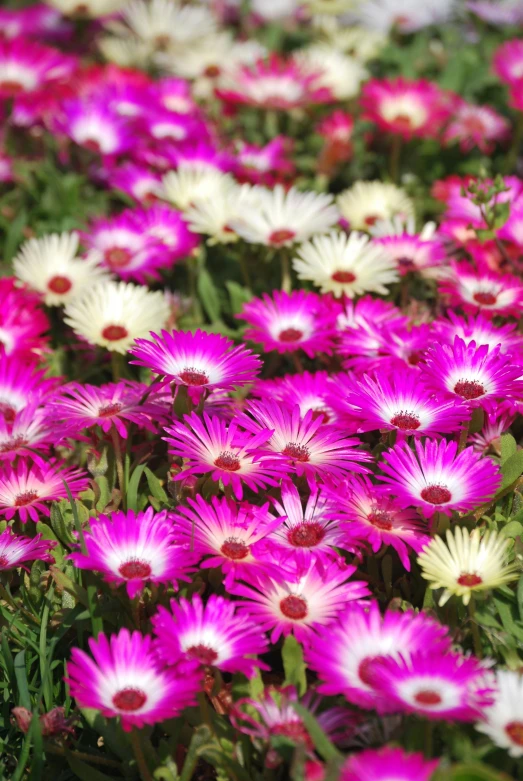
(191, 376)
(5, 563)
(129, 699)
(135, 569)
(282, 236)
(296, 452)
(11, 86)
(405, 421)
(294, 730)
(469, 389)
(228, 461)
(8, 412)
(371, 220)
(428, 697)
(294, 607)
(109, 410)
(306, 535)
(366, 669)
(13, 444)
(436, 494)
(403, 122)
(343, 276)
(113, 333)
(117, 257)
(92, 144)
(212, 71)
(515, 732)
(290, 335)
(234, 549)
(59, 285)
(469, 579)
(485, 299)
(381, 520)
(202, 653)
(26, 498)
(405, 262)
(414, 358)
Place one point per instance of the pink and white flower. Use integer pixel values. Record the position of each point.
(508, 61)
(23, 323)
(26, 66)
(502, 721)
(15, 550)
(30, 430)
(481, 330)
(89, 123)
(483, 291)
(479, 126)
(21, 385)
(407, 108)
(310, 391)
(379, 764)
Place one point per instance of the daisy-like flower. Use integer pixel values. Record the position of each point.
(135, 549)
(91, 124)
(264, 164)
(345, 653)
(366, 203)
(213, 217)
(508, 61)
(345, 265)
(407, 108)
(50, 266)
(26, 66)
(213, 446)
(387, 763)
(197, 360)
(81, 407)
(489, 436)
(212, 635)
(340, 74)
(368, 513)
(280, 218)
(500, 12)
(29, 430)
(310, 391)
(120, 245)
(436, 478)
(22, 322)
(190, 183)
(90, 8)
(227, 535)
(170, 232)
(475, 375)
(406, 15)
(481, 330)
(135, 180)
(299, 603)
(483, 291)
(479, 126)
(306, 444)
(26, 490)
(290, 321)
(21, 385)
(125, 679)
(467, 563)
(114, 314)
(409, 252)
(503, 720)
(166, 23)
(447, 687)
(15, 550)
(401, 403)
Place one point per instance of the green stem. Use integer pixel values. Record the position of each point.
(140, 756)
(478, 650)
(244, 268)
(116, 365)
(119, 463)
(463, 436)
(286, 279)
(429, 739)
(205, 710)
(394, 159)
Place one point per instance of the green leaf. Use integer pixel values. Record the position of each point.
(14, 235)
(293, 664)
(519, 594)
(470, 772)
(105, 492)
(110, 730)
(512, 529)
(238, 295)
(48, 534)
(85, 772)
(155, 487)
(508, 447)
(24, 698)
(512, 469)
(322, 744)
(132, 488)
(508, 619)
(208, 295)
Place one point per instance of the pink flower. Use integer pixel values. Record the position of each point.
(310, 391)
(125, 679)
(508, 62)
(413, 253)
(408, 108)
(168, 230)
(89, 123)
(15, 550)
(386, 763)
(478, 126)
(264, 164)
(139, 182)
(481, 330)
(22, 384)
(30, 430)
(26, 66)
(483, 291)
(211, 634)
(22, 321)
(495, 426)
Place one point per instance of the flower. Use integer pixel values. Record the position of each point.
(479, 126)
(365, 203)
(211, 634)
(482, 291)
(345, 265)
(197, 360)
(91, 8)
(15, 549)
(421, 253)
(508, 62)
(26, 489)
(500, 12)
(29, 430)
(346, 653)
(436, 478)
(311, 391)
(407, 108)
(26, 65)
(490, 434)
(502, 721)
(481, 330)
(114, 314)
(22, 321)
(467, 563)
(298, 603)
(287, 322)
(213, 216)
(165, 23)
(194, 182)
(211, 445)
(168, 230)
(126, 680)
(91, 124)
(340, 74)
(407, 15)
(22, 385)
(135, 549)
(135, 180)
(50, 266)
(377, 765)
(263, 164)
(280, 218)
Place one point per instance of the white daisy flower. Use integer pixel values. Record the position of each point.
(346, 265)
(191, 183)
(92, 8)
(275, 10)
(503, 721)
(125, 52)
(114, 314)
(210, 57)
(50, 266)
(407, 15)
(213, 216)
(365, 203)
(168, 23)
(358, 42)
(341, 74)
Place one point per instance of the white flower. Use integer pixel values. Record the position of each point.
(213, 216)
(92, 8)
(167, 23)
(365, 203)
(49, 265)
(406, 15)
(114, 314)
(342, 264)
(358, 42)
(278, 218)
(341, 74)
(191, 183)
(503, 721)
(125, 52)
(396, 226)
(275, 10)
(467, 563)
(211, 57)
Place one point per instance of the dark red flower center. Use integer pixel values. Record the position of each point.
(296, 452)
(343, 276)
(202, 653)
(135, 569)
(8, 412)
(381, 520)
(113, 333)
(485, 299)
(59, 285)
(403, 122)
(212, 71)
(228, 461)
(281, 236)
(367, 669)
(469, 579)
(191, 376)
(290, 335)
(405, 262)
(5, 563)
(469, 389)
(514, 730)
(109, 410)
(294, 730)
(294, 607)
(13, 87)
(26, 498)
(129, 699)
(234, 549)
(414, 358)
(321, 413)
(405, 421)
(473, 125)
(306, 535)
(117, 257)
(371, 219)
(13, 444)
(436, 494)
(92, 144)
(428, 697)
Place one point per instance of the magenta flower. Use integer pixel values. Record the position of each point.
(211, 634)
(476, 126)
(345, 654)
(91, 124)
(139, 182)
(414, 253)
(22, 322)
(125, 679)
(483, 291)
(15, 549)
(481, 330)
(26, 66)
(212, 445)
(490, 434)
(287, 322)
(386, 763)
(26, 489)
(264, 164)
(135, 549)
(22, 384)
(508, 61)
(29, 430)
(311, 391)
(168, 229)
(435, 478)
